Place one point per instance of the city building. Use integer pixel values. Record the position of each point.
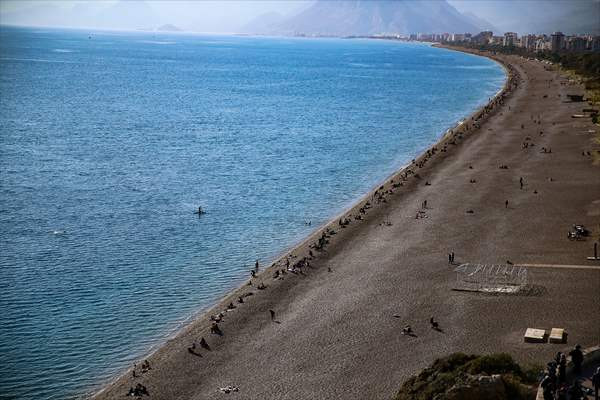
(483, 37)
(510, 39)
(557, 42)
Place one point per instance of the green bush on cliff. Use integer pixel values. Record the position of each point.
(455, 369)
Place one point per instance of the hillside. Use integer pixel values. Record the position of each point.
(367, 17)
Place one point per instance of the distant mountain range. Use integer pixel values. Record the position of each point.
(368, 17)
(320, 17)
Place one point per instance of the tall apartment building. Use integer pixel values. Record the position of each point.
(510, 39)
(483, 37)
(557, 42)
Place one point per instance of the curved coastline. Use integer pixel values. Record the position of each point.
(336, 331)
(198, 319)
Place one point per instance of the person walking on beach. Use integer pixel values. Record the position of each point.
(506, 204)
(272, 315)
(256, 266)
(521, 182)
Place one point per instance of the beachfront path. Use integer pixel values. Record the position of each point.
(337, 334)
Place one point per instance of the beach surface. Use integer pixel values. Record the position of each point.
(336, 331)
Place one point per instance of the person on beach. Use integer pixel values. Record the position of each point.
(204, 344)
(577, 358)
(521, 182)
(272, 315)
(548, 388)
(215, 329)
(434, 324)
(596, 383)
(562, 368)
(506, 204)
(256, 266)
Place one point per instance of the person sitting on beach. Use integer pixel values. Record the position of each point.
(192, 348)
(141, 390)
(230, 306)
(204, 344)
(215, 329)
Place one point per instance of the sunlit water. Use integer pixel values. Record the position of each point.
(109, 142)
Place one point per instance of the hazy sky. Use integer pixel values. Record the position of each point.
(523, 16)
(216, 15)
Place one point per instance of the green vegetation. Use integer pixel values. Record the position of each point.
(585, 65)
(517, 383)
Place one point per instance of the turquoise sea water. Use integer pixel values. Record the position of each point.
(109, 142)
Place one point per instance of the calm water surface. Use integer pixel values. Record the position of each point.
(109, 141)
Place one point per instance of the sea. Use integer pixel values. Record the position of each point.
(110, 141)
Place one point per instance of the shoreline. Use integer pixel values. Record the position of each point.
(221, 302)
(403, 181)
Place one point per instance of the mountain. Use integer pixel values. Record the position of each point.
(481, 23)
(264, 23)
(368, 17)
(168, 28)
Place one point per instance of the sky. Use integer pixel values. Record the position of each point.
(204, 16)
(224, 16)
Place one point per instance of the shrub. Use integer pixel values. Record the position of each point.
(501, 363)
(446, 372)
